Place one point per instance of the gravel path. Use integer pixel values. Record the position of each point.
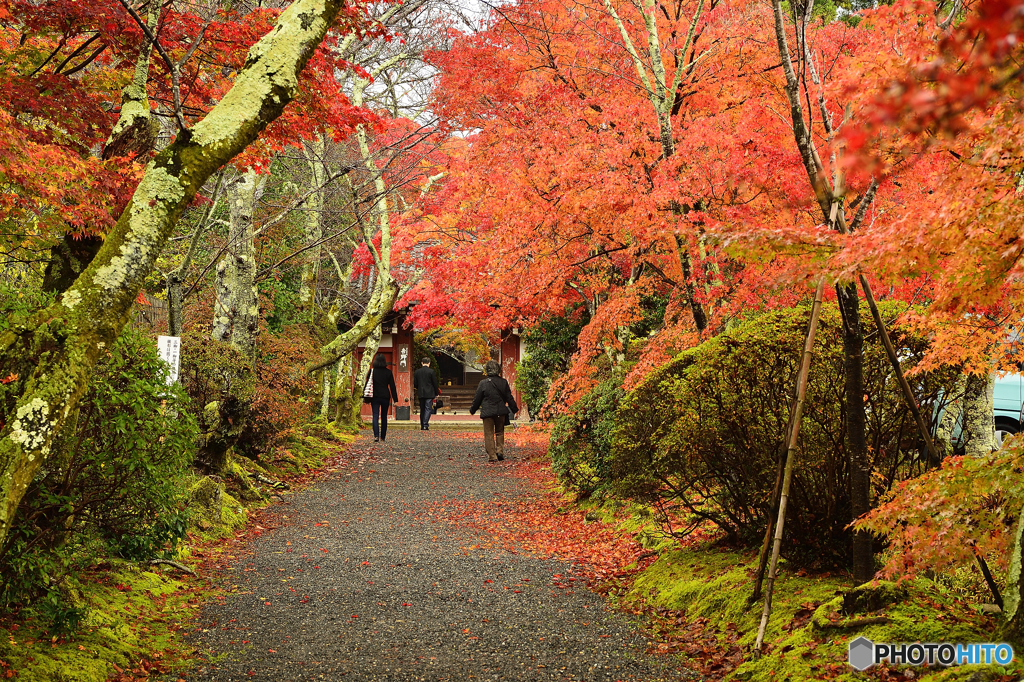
(360, 582)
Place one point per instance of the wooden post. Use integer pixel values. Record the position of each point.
(787, 479)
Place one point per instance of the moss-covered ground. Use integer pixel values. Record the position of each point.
(695, 602)
(135, 615)
(130, 630)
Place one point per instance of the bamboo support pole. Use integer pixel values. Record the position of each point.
(787, 480)
(908, 394)
(766, 543)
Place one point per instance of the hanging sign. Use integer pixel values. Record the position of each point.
(169, 349)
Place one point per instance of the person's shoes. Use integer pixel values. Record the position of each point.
(501, 458)
(376, 440)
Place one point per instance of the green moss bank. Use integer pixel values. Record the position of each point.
(132, 619)
(134, 614)
(700, 595)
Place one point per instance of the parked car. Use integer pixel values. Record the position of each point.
(1008, 400)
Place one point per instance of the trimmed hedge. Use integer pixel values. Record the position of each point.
(704, 432)
(581, 440)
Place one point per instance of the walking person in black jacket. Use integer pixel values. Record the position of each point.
(424, 380)
(384, 390)
(494, 400)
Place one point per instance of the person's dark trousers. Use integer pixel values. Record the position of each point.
(494, 438)
(426, 407)
(382, 412)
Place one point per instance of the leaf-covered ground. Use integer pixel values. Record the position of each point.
(421, 561)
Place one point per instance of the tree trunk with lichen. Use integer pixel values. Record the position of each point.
(236, 318)
(313, 232)
(236, 313)
(346, 399)
(325, 396)
(979, 426)
(952, 413)
(53, 352)
(385, 289)
(134, 134)
(1013, 595)
(221, 424)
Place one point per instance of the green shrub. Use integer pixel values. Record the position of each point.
(17, 305)
(285, 394)
(111, 484)
(581, 439)
(705, 431)
(266, 398)
(212, 371)
(549, 346)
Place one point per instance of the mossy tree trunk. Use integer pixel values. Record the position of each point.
(386, 289)
(236, 318)
(345, 394)
(236, 313)
(135, 134)
(1013, 595)
(53, 353)
(325, 396)
(951, 416)
(979, 426)
(314, 151)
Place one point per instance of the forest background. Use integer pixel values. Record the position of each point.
(660, 195)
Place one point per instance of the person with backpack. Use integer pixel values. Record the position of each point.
(424, 380)
(494, 400)
(379, 390)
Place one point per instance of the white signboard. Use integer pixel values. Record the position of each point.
(169, 349)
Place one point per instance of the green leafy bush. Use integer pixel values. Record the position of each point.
(581, 440)
(17, 304)
(213, 371)
(285, 394)
(550, 346)
(111, 485)
(705, 431)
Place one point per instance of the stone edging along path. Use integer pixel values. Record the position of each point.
(402, 563)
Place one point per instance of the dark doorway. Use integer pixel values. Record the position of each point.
(449, 370)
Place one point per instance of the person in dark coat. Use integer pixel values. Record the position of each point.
(494, 400)
(424, 380)
(384, 390)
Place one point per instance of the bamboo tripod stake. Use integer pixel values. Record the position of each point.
(908, 394)
(787, 480)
